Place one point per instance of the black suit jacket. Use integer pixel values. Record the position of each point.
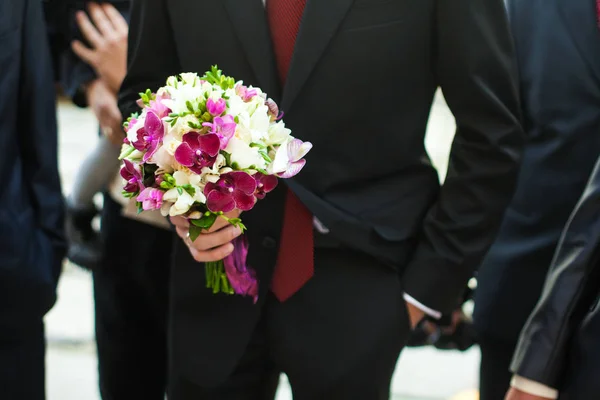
(560, 345)
(31, 206)
(360, 87)
(558, 52)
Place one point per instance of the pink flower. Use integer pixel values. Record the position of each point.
(241, 277)
(234, 190)
(245, 93)
(151, 199)
(273, 110)
(133, 175)
(157, 107)
(149, 138)
(216, 108)
(223, 127)
(198, 151)
(264, 184)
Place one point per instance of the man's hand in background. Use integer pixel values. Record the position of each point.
(107, 34)
(415, 315)
(516, 394)
(103, 103)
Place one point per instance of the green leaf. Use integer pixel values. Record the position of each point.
(139, 207)
(206, 221)
(189, 188)
(194, 231)
(235, 166)
(194, 125)
(126, 152)
(189, 106)
(128, 195)
(179, 190)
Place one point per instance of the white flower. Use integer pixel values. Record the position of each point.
(236, 105)
(213, 174)
(190, 78)
(172, 81)
(181, 202)
(281, 161)
(244, 155)
(186, 177)
(181, 95)
(277, 134)
(165, 161)
(132, 130)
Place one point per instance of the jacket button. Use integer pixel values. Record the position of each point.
(269, 243)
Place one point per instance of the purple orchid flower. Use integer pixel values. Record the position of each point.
(234, 190)
(151, 199)
(133, 175)
(224, 127)
(149, 138)
(273, 110)
(198, 151)
(216, 108)
(157, 107)
(296, 150)
(264, 184)
(245, 93)
(241, 277)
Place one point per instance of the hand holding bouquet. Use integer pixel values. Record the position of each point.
(203, 147)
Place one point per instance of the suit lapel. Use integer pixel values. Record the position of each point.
(319, 24)
(250, 24)
(581, 20)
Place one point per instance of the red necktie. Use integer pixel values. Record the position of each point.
(295, 264)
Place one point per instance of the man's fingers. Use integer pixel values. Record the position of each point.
(116, 19)
(207, 241)
(88, 29)
(216, 254)
(180, 222)
(86, 54)
(101, 21)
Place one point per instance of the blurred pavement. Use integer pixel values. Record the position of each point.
(422, 374)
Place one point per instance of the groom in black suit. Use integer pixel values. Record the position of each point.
(356, 78)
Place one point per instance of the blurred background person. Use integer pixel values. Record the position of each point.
(559, 348)
(32, 246)
(131, 273)
(558, 50)
(92, 76)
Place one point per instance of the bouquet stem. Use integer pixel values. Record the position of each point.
(216, 278)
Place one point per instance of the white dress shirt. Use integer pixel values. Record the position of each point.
(533, 387)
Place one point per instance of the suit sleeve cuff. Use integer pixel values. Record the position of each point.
(432, 313)
(533, 388)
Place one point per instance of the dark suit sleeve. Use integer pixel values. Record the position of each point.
(152, 55)
(477, 73)
(37, 132)
(572, 285)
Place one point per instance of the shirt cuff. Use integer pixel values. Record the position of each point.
(432, 313)
(533, 387)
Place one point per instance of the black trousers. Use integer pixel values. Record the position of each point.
(494, 374)
(338, 338)
(22, 361)
(131, 294)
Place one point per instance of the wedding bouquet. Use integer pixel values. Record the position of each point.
(202, 147)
